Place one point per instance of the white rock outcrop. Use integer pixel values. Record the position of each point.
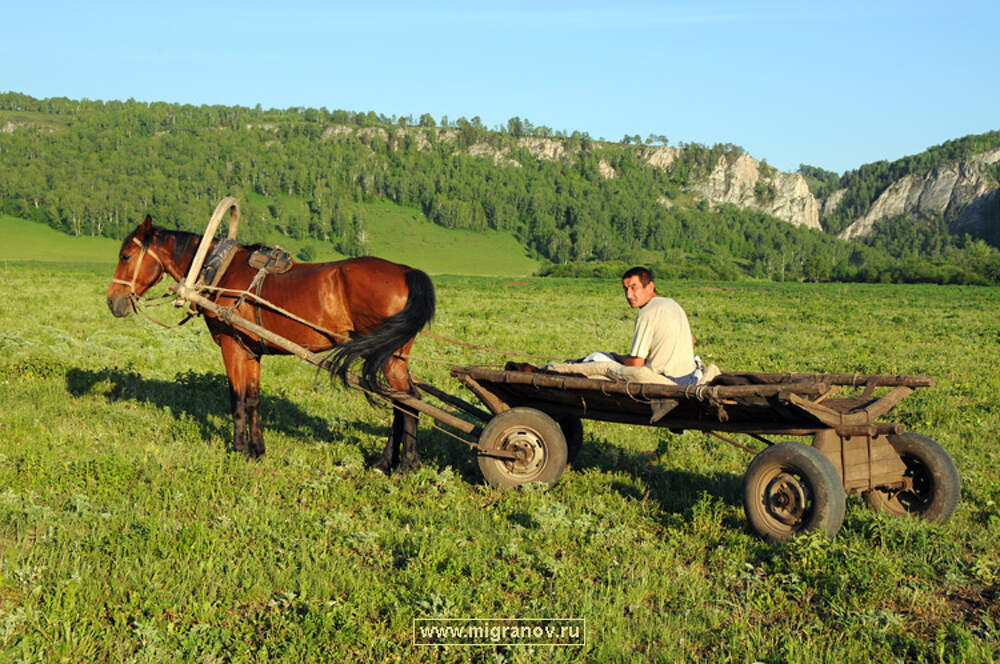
(742, 182)
(956, 191)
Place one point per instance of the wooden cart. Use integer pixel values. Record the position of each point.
(534, 428)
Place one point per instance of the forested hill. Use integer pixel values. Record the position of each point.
(584, 206)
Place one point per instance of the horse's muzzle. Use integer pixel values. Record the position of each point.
(120, 305)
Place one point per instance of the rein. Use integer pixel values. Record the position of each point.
(134, 298)
(138, 266)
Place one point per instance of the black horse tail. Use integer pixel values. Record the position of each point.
(378, 346)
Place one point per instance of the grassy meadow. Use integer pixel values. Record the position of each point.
(397, 233)
(129, 532)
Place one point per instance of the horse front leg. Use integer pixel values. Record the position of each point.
(243, 371)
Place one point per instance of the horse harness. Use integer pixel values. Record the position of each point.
(269, 260)
(135, 273)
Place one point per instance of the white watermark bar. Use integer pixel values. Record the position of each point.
(499, 632)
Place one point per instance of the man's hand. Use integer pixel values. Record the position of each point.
(632, 361)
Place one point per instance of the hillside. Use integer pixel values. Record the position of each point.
(420, 243)
(32, 241)
(573, 204)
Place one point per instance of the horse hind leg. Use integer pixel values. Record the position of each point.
(390, 454)
(406, 434)
(401, 447)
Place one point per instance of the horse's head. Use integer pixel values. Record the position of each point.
(139, 269)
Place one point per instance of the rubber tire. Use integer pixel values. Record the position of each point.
(802, 473)
(938, 486)
(572, 428)
(532, 431)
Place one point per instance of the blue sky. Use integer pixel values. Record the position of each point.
(830, 84)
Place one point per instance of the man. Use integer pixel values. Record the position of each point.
(662, 346)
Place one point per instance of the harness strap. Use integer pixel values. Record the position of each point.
(135, 273)
(255, 285)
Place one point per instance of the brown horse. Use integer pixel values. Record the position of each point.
(366, 309)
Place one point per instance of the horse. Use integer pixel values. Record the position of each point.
(366, 309)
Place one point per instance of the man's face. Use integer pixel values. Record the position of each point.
(637, 294)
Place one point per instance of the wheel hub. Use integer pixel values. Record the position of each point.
(529, 450)
(787, 499)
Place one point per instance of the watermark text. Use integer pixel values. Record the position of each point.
(499, 632)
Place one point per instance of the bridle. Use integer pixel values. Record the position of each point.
(133, 296)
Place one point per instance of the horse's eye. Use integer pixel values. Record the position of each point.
(124, 258)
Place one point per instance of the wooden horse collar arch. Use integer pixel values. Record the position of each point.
(188, 285)
(227, 203)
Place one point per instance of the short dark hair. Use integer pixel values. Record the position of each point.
(645, 275)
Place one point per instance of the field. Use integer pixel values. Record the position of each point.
(129, 532)
(396, 233)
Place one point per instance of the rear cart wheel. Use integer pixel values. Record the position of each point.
(572, 428)
(790, 488)
(534, 438)
(932, 486)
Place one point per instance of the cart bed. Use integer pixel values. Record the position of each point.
(789, 403)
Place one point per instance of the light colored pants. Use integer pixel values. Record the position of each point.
(610, 370)
(606, 365)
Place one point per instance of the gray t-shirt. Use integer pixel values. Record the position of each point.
(663, 338)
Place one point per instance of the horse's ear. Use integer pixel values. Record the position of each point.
(144, 228)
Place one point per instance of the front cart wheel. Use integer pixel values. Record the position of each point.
(790, 488)
(932, 487)
(535, 440)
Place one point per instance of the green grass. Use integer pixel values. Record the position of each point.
(128, 532)
(31, 241)
(396, 233)
(405, 236)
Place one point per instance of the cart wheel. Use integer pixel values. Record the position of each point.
(572, 428)
(933, 487)
(789, 488)
(534, 437)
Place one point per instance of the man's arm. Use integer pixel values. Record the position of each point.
(632, 360)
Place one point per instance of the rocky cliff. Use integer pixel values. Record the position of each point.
(962, 192)
(747, 183)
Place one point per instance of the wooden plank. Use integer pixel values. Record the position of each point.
(850, 424)
(452, 400)
(491, 400)
(854, 380)
(888, 401)
(870, 462)
(855, 462)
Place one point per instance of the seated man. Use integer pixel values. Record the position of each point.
(662, 346)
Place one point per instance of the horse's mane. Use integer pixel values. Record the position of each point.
(185, 244)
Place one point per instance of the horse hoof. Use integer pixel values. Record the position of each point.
(408, 465)
(249, 452)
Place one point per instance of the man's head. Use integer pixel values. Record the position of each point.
(639, 286)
